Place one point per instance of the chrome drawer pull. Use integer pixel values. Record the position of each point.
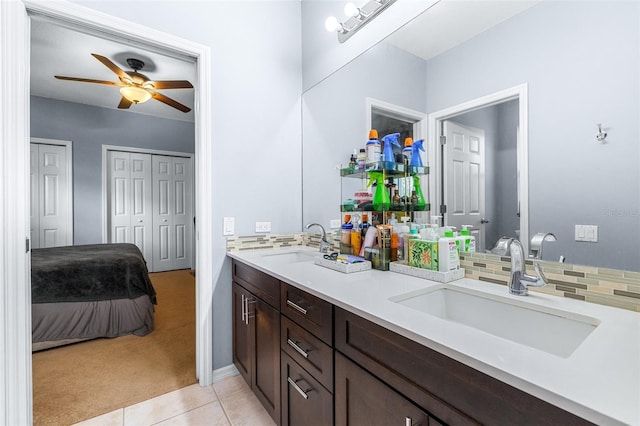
(298, 349)
(296, 387)
(303, 311)
(243, 309)
(407, 421)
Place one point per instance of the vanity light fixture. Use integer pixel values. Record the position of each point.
(601, 136)
(357, 18)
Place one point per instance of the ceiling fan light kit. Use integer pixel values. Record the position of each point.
(136, 88)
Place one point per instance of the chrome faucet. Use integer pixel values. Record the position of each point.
(324, 244)
(519, 279)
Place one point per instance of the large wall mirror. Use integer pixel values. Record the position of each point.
(579, 64)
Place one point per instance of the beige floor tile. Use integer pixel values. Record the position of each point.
(240, 404)
(211, 414)
(114, 418)
(168, 405)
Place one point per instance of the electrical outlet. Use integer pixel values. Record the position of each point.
(229, 225)
(263, 226)
(334, 223)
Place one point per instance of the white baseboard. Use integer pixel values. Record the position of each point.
(224, 372)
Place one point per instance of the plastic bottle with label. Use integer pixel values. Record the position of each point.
(467, 242)
(373, 147)
(448, 259)
(406, 151)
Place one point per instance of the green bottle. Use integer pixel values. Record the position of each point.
(421, 204)
(381, 200)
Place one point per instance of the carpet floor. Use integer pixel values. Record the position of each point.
(80, 381)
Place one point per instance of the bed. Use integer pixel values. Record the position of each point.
(89, 291)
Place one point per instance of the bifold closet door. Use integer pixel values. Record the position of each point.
(130, 201)
(172, 215)
(50, 196)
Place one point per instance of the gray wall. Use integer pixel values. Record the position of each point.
(88, 128)
(334, 119)
(580, 60)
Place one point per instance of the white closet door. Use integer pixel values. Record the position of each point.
(130, 198)
(172, 217)
(50, 196)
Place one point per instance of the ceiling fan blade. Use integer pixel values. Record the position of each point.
(124, 103)
(171, 84)
(162, 98)
(88, 80)
(113, 67)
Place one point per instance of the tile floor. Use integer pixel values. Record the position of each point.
(228, 402)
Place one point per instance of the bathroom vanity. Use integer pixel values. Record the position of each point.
(369, 348)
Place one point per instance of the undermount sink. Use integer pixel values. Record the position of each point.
(551, 330)
(293, 256)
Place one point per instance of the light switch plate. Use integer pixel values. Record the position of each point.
(229, 225)
(263, 226)
(586, 233)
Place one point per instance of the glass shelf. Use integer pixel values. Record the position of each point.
(389, 169)
(393, 208)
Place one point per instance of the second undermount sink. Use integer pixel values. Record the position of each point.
(292, 256)
(551, 330)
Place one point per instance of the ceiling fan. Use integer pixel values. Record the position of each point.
(135, 87)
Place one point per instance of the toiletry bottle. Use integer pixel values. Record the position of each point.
(362, 158)
(406, 151)
(467, 241)
(352, 161)
(373, 148)
(381, 200)
(364, 225)
(448, 259)
(416, 159)
(388, 157)
(420, 203)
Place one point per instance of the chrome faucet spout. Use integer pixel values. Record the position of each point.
(520, 281)
(324, 244)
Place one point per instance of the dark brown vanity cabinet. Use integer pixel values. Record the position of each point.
(256, 334)
(306, 341)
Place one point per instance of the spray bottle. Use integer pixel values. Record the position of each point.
(388, 156)
(416, 159)
(381, 200)
(420, 203)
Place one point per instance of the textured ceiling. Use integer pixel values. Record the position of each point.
(56, 50)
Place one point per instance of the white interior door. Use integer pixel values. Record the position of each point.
(130, 205)
(464, 175)
(172, 215)
(51, 194)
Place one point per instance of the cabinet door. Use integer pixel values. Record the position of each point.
(265, 338)
(304, 401)
(242, 350)
(361, 399)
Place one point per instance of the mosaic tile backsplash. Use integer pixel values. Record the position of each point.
(611, 287)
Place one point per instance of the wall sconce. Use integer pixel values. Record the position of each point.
(358, 18)
(601, 136)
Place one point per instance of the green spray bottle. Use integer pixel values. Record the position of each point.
(421, 203)
(381, 200)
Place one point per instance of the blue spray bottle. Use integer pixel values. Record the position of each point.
(416, 159)
(388, 156)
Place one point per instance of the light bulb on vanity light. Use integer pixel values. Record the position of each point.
(351, 10)
(332, 24)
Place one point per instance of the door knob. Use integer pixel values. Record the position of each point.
(483, 220)
(164, 220)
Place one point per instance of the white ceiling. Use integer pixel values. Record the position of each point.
(449, 23)
(56, 50)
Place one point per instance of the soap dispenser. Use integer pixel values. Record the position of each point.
(467, 242)
(448, 259)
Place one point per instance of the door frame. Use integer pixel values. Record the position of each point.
(435, 119)
(16, 402)
(68, 148)
(105, 185)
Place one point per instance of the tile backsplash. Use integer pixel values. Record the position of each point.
(611, 287)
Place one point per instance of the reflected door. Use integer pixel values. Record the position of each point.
(464, 175)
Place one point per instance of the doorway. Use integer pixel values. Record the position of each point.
(15, 20)
(496, 171)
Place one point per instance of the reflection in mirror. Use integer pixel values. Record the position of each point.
(576, 77)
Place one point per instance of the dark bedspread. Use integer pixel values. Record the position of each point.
(88, 273)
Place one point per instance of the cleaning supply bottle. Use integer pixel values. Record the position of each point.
(364, 225)
(420, 202)
(362, 158)
(373, 148)
(406, 151)
(381, 200)
(416, 159)
(388, 157)
(467, 242)
(448, 259)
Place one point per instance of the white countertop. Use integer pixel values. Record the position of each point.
(599, 381)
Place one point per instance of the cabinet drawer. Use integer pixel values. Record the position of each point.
(450, 390)
(262, 285)
(304, 401)
(311, 353)
(361, 399)
(310, 312)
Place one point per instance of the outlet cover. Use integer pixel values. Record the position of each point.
(334, 223)
(229, 225)
(263, 226)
